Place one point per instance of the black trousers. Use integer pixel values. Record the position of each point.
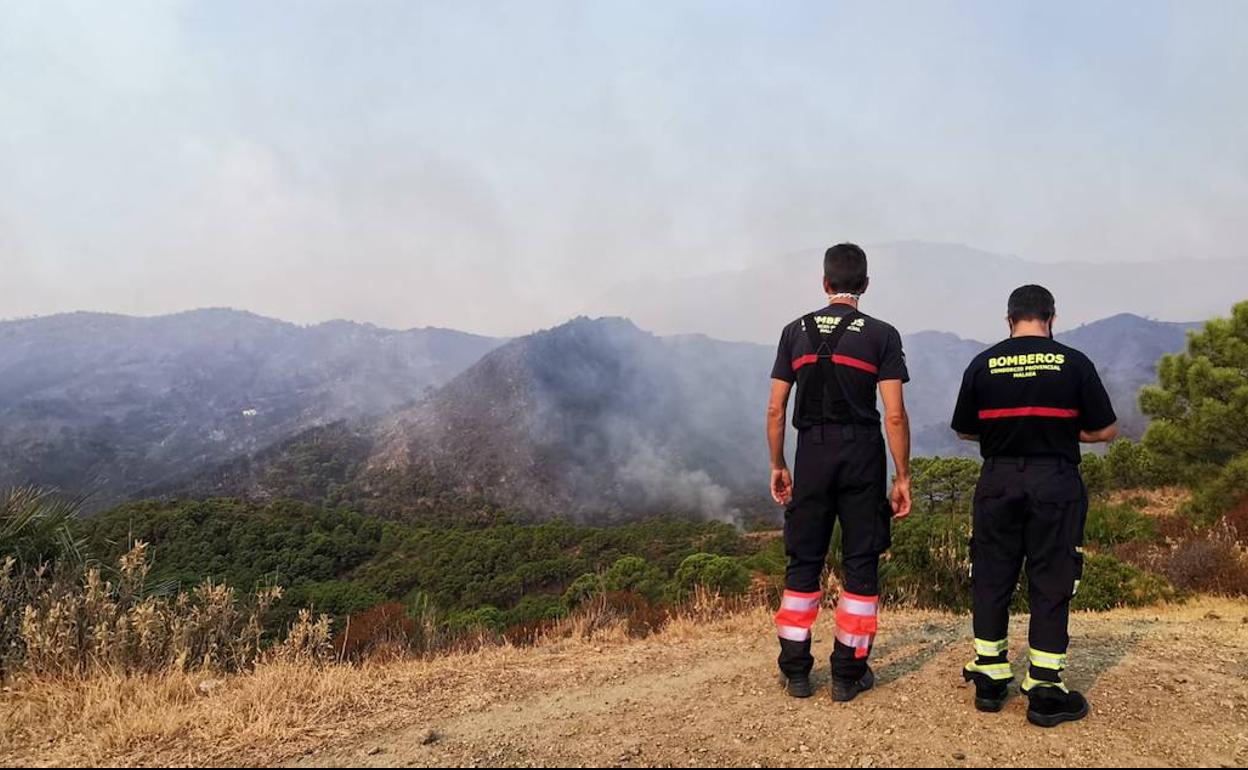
(1028, 511)
(840, 474)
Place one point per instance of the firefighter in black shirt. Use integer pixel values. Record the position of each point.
(837, 357)
(1029, 401)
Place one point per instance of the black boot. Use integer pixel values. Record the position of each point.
(1050, 706)
(990, 693)
(845, 690)
(798, 686)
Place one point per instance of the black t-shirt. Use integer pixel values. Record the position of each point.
(869, 352)
(1030, 396)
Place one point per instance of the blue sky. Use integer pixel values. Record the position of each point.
(496, 166)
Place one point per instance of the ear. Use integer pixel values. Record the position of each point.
(866, 285)
(827, 287)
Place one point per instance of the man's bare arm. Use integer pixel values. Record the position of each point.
(1102, 436)
(897, 428)
(968, 437)
(777, 412)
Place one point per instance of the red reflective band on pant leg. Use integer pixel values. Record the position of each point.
(797, 615)
(857, 621)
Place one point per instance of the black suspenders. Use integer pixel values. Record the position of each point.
(825, 388)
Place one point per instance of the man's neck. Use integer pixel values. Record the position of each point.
(843, 301)
(1031, 329)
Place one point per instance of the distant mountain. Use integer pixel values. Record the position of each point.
(1126, 349)
(593, 418)
(599, 419)
(919, 286)
(110, 405)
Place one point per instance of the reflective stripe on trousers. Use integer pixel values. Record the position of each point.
(999, 672)
(857, 620)
(991, 649)
(797, 615)
(1054, 661)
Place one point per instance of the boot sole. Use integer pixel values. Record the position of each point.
(1053, 720)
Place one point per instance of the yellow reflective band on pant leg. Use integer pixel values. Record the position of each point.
(1054, 661)
(991, 649)
(1030, 684)
(997, 671)
(1076, 591)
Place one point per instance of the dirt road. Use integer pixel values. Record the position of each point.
(1168, 687)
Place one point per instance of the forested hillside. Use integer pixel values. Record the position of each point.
(109, 406)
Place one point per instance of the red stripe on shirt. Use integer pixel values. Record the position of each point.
(1028, 411)
(856, 363)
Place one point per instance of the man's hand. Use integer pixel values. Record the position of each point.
(781, 485)
(900, 498)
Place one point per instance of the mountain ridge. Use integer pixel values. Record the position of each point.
(676, 419)
(223, 402)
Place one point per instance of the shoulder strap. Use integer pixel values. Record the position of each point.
(818, 342)
(825, 386)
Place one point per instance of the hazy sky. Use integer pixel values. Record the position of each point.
(496, 166)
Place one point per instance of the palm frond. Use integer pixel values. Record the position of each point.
(39, 525)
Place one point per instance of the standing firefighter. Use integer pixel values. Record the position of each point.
(1029, 401)
(837, 356)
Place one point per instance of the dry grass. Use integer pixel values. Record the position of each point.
(1159, 503)
(279, 711)
(291, 704)
(288, 709)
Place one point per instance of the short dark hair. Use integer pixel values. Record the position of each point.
(845, 268)
(1031, 303)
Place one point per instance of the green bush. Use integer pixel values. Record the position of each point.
(583, 589)
(336, 598)
(770, 560)
(1110, 525)
(944, 484)
(1220, 494)
(723, 575)
(487, 618)
(534, 608)
(930, 563)
(635, 574)
(1109, 583)
(1132, 465)
(1095, 473)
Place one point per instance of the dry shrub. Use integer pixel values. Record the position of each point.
(1211, 562)
(1237, 520)
(536, 631)
(1173, 528)
(309, 640)
(639, 616)
(628, 613)
(384, 631)
(1143, 555)
(78, 623)
(392, 630)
